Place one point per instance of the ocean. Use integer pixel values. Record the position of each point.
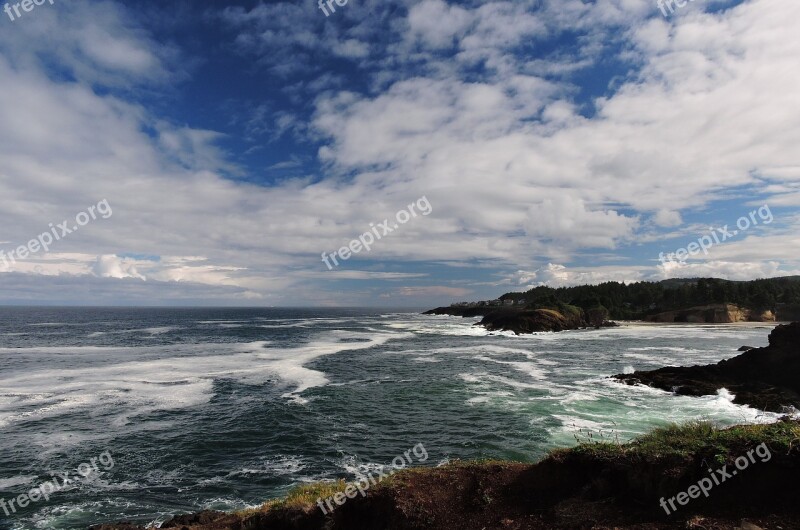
(169, 411)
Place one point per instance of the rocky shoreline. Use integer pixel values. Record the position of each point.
(764, 378)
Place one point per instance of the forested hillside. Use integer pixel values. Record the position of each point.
(635, 300)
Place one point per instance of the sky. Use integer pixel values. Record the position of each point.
(205, 153)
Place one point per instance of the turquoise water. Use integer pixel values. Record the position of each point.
(225, 408)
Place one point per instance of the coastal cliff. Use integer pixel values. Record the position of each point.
(594, 485)
(764, 378)
(714, 314)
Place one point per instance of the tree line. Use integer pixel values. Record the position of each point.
(636, 300)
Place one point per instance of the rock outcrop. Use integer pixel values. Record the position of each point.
(522, 321)
(764, 378)
(532, 321)
(466, 312)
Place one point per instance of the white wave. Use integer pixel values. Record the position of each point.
(222, 321)
(501, 396)
(487, 379)
(138, 387)
(290, 325)
(484, 349)
(151, 331)
(354, 466)
(8, 483)
(56, 406)
(660, 360)
(668, 348)
(274, 466)
(610, 405)
(528, 368)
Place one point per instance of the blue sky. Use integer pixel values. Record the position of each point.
(557, 142)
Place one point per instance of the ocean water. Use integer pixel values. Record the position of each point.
(226, 408)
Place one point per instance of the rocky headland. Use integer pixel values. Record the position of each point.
(765, 378)
(521, 320)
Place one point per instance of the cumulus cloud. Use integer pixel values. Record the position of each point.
(110, 266)
(667, 218)
(556, 275)
(464, 104)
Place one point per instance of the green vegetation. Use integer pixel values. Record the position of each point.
(303, 497)
(697, 439)
(636, 300)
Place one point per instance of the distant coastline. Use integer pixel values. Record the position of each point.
(694, 301)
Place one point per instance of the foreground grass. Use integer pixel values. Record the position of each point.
(303, 497)
(696, 439)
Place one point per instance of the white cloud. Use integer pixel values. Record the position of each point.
(555, 275)
(110, 266)
(435, 24)
(667, 218)
(519, 171)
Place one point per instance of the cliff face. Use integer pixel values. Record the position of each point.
(531, 321)
(764, 378)
(713, 314)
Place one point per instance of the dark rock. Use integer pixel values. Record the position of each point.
(531, 321)
(764, 378)
(200, 518)
(117, 526)
(521, 320)
(462, 311)
(746, 348)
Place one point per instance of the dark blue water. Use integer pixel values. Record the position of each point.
(226, 408)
